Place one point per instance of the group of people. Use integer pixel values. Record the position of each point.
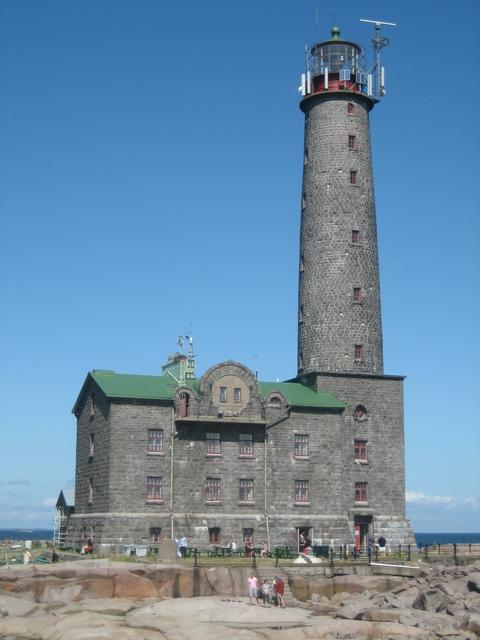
(273, 594)
(181, 545)
(381, 544)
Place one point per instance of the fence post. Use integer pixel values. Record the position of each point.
(369, 553)
(426, 551)
(331, 556)
(276, 557)
(469, 548)
(454, 549)
(254, 557)
(439, 545)
(408, 556)
(195, 557)
(345, 551)
(399, 550)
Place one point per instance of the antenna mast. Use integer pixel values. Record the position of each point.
(378, 43)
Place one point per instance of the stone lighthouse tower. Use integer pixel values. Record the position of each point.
(339, 317)
(340, 328)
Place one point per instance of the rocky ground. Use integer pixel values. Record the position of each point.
(95, 600)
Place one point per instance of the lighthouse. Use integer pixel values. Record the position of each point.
(339, 315)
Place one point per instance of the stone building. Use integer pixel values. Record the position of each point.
(228, 456)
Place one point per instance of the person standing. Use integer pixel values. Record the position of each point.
(382, 543)
(265, 590)
(183, 546)
(252, 589)
(279, 590)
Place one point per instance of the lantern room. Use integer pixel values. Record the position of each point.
(335, 65)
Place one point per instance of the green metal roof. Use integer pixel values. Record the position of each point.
(299, 395)
(122, 385)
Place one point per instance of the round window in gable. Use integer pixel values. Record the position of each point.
(360, 413)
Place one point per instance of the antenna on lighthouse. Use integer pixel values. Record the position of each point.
(378, 43)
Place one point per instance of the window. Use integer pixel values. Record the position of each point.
(154, 488)
(237, 394)
(355, 236)
(214, 535)
(352, 142)
(183, 406)
(360, 450)
(91, 446)
(361, 493)
(360, 413)
(301, 446)
(350, 108)
(305, 156)
(247, 534)
(304, 200)
(353, 177)
(212, 490)
(302, 265)
(301, 491)
(90, 491)
(357, 294)
(155, 534)
(246, 491)
(92, 406)
(213, 444)
(358, 352)
(223, 394)
(246, 444)
(155, 441)
(300, 313)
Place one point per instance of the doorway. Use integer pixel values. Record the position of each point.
(362, 528)
(304, 538)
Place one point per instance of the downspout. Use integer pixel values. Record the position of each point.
(265, 487)
(283, 417)
(172, 439)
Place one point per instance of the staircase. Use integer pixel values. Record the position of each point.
(269, 573)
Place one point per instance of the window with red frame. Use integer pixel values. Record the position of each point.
(359, 352)
(154, 488)
(155, 534)
(350, 108)
(301, 491)
(212, 490)
(353, 177)
(360, 449)
(246, 491)
(237, 394)
(357, 294)
(361, 492)
(213, 444)
(155, 441)
(355, 236)
(214, 535)
(246, 444)
(352, 142)
(301, 445)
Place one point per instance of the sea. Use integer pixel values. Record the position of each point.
(421, 538)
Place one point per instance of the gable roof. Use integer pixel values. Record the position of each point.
(138, 387)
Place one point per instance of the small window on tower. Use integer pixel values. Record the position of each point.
(350, 108)
(361, 450)
(237, 394)
(357, 294)
(358, 352)
(355, 236)
(305, 157)
(91, 447)
(90, 491)
(304, 200)
(302, 265)
(223, 394)
(352, 143)
(300, 313)
(353, 177)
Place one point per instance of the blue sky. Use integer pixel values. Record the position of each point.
(151, 163)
